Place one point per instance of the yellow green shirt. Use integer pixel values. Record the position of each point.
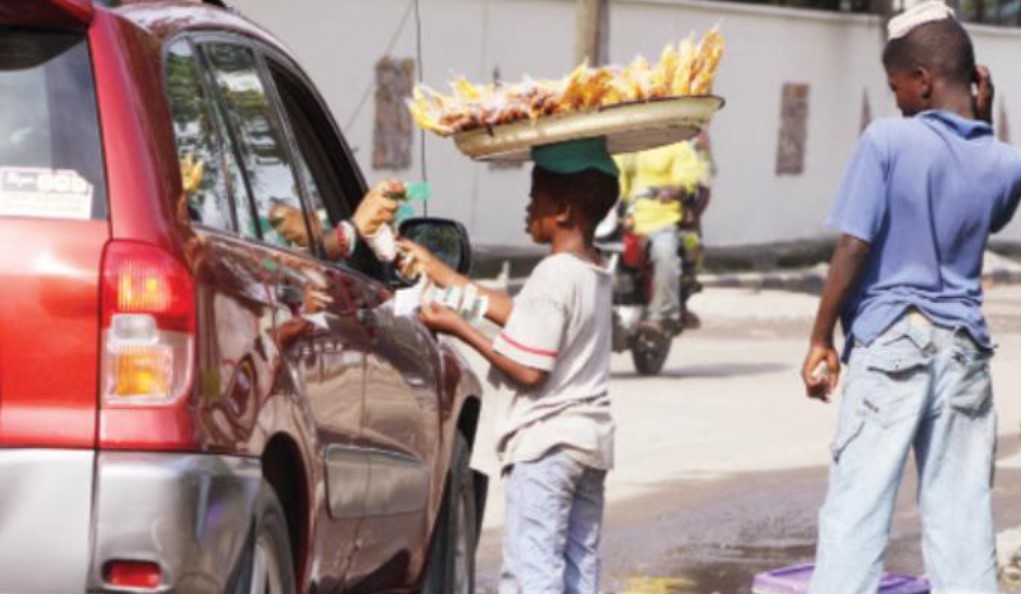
(675, 165)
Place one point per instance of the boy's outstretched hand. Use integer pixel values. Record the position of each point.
(441, 319)
(415, 260)
(984, 94)
(821, 371)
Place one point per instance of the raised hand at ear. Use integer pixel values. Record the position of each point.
(984, 94)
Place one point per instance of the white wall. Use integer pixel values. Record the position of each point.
(339, 42)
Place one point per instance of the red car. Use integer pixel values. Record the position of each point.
(188, 402)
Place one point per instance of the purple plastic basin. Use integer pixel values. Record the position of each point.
(795, 580)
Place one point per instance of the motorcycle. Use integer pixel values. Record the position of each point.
(628, 260)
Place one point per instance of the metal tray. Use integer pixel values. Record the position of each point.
(628, 128)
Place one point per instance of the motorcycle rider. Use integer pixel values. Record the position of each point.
(666, 190)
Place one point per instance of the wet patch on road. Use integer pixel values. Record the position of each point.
(759, 523)
(731, 549)
(733, 568)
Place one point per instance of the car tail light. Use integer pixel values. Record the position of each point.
(148, 326)
(132, 574)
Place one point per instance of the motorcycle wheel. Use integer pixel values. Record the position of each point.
(649, 350)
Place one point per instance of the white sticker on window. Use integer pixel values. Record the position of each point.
(40, 192)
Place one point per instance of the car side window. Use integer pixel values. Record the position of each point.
(260, 142)
(333, 186)
(199, 146)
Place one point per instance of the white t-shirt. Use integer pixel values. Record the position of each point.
(561, 323)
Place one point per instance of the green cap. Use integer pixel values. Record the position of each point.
(575, 156)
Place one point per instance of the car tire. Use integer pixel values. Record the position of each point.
(451, 566)
(271, 565)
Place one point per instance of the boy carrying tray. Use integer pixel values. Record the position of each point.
(555, 435)
(915, 211)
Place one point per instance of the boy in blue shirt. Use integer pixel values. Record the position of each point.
(918, 202)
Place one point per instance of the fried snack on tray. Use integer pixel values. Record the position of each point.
(710, 52)
(685, 69)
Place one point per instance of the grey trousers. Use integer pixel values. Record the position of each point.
(664, 245)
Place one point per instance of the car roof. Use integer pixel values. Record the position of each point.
(164, 19)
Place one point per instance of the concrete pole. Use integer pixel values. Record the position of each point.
(593, 30)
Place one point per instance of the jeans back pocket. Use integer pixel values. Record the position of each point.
(898, 378)
(969, 384)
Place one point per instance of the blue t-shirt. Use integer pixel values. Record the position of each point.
(925, 193)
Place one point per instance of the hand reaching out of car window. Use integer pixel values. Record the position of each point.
(378, 207)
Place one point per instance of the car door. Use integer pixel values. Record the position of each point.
(320, 342)
(234, 303)
(400, 418)
(401, 423)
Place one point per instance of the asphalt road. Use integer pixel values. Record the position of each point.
(721, 461)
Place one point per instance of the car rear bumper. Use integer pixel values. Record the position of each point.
(45, 516)
(65, 514)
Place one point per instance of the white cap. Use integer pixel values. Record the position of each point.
(924, 12)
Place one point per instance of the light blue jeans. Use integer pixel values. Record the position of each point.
(926, 388)
(554, 517)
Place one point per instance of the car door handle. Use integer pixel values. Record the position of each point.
(291, 296)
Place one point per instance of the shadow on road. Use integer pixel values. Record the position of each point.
(714, 371)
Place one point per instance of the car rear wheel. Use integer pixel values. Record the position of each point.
(451, 568)
(272, 564)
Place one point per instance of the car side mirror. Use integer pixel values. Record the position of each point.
(445, 238)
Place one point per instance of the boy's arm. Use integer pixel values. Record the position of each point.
(858, 213)
(845, 267)
(442, 319)
(500, 304)
(422, 260)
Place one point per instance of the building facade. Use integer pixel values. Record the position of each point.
(799, 86)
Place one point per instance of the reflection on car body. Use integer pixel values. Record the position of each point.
(190, 402)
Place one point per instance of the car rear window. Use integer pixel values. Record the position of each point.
(51, 156)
